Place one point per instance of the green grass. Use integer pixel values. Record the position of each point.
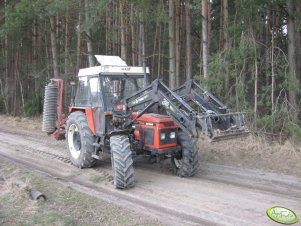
(52, 218)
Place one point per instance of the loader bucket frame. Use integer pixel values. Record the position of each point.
(216, 121)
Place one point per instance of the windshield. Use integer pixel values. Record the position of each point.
(116, 88)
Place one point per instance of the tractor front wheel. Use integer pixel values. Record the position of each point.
(79, 140)
(186, 163)
(122, 162)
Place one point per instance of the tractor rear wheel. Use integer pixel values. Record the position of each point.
(80, 140)
(122, 162)
(186, 163)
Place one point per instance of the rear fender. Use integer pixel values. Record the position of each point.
(89, 115)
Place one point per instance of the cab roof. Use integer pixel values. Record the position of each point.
(111, 65)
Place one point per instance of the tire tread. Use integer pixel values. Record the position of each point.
(122, 162)
(190, 157)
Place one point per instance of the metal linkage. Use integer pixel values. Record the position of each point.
(191, 91)
(217, 122)
(158, 93)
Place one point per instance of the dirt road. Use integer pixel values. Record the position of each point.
(217, 195)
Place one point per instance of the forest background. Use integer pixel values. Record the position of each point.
(248, 53)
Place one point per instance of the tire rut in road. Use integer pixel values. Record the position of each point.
(103, 171)
(40, 138)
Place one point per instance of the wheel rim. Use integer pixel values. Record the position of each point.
(178, 162)
(74, 141)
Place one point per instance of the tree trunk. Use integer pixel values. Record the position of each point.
(34, 56)
(89, 37)
(115, 31)
(291, 34)
(205, 37)
(221, 34)
(109, 28)
(117, 24)
(225, 24)
(171, 34)
(141, 41)
(226, 41)
(3, 84)
(156, 40)
(273, 73)
(133, 36)
(159, 51)
(298, 42)
(188, 41)
(209, 25)
(48, 58)
(255, 77)
(178, 42)
(162, 71)
(54, 47)
(79, 41)
(122, 30)
(18, 79)
(67, 45)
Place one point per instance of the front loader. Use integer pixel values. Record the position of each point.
(114, 111)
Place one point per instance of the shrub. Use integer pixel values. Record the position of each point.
(33, 106)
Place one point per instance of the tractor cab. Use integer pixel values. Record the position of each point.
(105, 90)
(102, 88)
(105, 86)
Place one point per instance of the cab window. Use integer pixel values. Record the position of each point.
(95, 92)
(82, 96)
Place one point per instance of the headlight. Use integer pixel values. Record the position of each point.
(172, 135)
(162, 136)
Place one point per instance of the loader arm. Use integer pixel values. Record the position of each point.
(157, 93)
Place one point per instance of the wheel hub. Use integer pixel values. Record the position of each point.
(74, 141)
(178, 163)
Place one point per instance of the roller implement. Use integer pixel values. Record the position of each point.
(115, 110)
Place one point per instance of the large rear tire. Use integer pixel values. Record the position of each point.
(186, 164)
(122, 162)
(80, 140)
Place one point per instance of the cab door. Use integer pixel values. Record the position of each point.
(97, 105)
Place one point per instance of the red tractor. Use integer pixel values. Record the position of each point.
(116, 111)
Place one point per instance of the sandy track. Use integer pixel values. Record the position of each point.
(217, 195)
